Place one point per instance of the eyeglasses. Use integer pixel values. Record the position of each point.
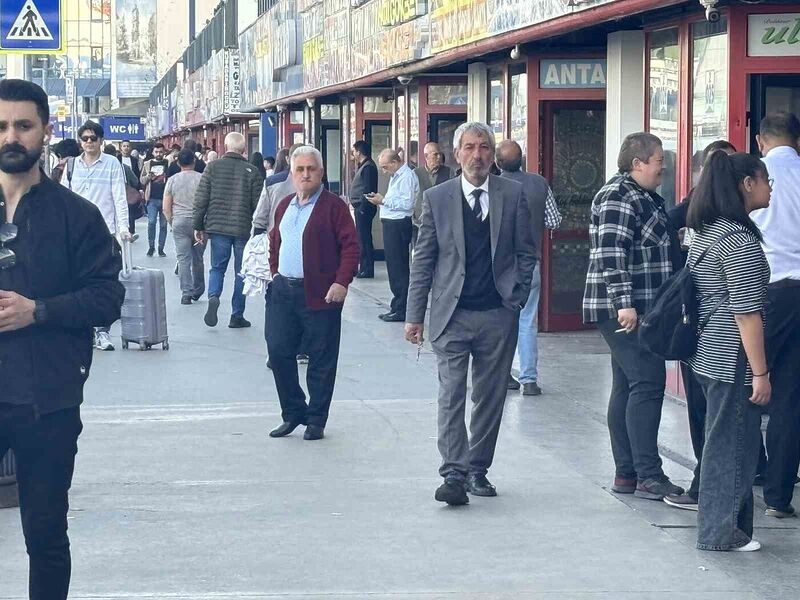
(8, 233)
(89, 138)
(771, 182)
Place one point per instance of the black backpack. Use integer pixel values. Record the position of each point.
(671, 328)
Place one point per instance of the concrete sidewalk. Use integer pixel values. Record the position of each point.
(179, 493)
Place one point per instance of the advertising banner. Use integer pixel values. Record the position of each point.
(773, 35)
(137, 48)
(457, 22)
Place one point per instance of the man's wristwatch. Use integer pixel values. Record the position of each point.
(40, 313)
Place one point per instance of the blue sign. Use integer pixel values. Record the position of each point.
(31, 26)
(123, 128)
(572, 73)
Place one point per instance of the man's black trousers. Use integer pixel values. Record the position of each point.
(45, 447)
(396, 247)
(783, 356)
(364, 214)
(289, 322)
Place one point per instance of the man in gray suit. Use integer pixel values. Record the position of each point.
(544, 214)
(475, 253)
(432, 173)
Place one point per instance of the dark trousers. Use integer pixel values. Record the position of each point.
(364, 214)
(696, 407)
(290, 322)
(396, 242)
(730, 460)
(45, 449)
(634, 408)
(783, 356)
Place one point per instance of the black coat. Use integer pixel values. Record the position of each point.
(365, 181)
(67, 259)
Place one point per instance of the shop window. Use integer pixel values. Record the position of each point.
(519, 108)
(297, 137)
(497, 101)
(447, 94)
(664, 78)
(709, 88)
(329, 111)
(376, 104)
(296, 117)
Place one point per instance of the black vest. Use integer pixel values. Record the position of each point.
(479, 291)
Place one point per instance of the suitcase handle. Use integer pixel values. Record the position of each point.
(127, 262)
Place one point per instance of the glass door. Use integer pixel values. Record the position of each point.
(574, 163)
(378, 134)
(772, 93)
(441, 129)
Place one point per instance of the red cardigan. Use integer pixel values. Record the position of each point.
(330, 248)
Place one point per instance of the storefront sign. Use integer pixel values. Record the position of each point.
(123, 128)
(457, 22)
(394, 12)
(233, 87)
(572, 74)
(773, 35)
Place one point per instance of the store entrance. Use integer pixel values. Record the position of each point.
(770, 93)
(378, 134)
(573, 141)
(441, 129)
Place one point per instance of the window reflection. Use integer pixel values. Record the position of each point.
(664, 78)
(448, 94)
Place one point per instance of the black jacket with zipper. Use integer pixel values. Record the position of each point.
(67, 260)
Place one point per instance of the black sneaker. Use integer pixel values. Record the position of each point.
(783, 512)
(512, 384)
(531, 389)
(211, 318)
(684, 501)
(238, 323)
(151, 251)
(655, 488)
(186, 300)
(453, 492)
(161, 252)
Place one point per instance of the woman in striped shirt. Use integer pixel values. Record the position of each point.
(730, 363)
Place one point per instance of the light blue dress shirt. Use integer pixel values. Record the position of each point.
(293, 224)
(398, 203)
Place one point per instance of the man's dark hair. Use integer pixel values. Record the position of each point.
(185, 157)
(158, 145)
(637, 145)
(110, 149)
(190, 144)
(175, 147)
(718, 193)
(270, 160)
(362, 147)
(723, 145)
(19, 90)
(125, 142)
(781, 125)
(67, 148)
(95, 128)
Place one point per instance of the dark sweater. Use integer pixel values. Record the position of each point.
(479, 291)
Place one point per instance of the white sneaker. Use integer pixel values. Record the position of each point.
(750, 546)
(103, 341)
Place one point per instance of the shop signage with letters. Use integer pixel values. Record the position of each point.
(394, 12)
(773, 35)
(457, 22)
(572, 73)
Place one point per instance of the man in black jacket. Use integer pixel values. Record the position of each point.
(58, 278)
(365, 181)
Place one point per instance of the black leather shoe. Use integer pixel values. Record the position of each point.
(238, 323)
(314, 432)
(513, 384)
(393, 318)
(186, 300)
(453, 492)
(284, 429)
(478, 485)
(531, 389)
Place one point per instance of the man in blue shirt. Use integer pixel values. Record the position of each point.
(397, 207)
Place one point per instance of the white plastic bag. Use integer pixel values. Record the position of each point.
(255, 265)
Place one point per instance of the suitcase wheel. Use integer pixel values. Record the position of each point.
(125, 344)
(165, 345)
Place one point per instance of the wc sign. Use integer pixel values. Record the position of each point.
(123, 128)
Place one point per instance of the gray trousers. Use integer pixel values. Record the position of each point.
(190, 257)
(490, 337)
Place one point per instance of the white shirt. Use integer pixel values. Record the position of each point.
(467, 188)
(780, 223)
(398, 203)
(103, 184)
(126, 160)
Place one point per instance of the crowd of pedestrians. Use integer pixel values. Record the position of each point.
(467, 244)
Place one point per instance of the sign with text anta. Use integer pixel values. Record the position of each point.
(773, 35)
(123, 128)
(31, 26)
(572, 73)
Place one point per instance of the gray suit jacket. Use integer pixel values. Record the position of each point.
(443, 174)
(438, 265)
(535, 189)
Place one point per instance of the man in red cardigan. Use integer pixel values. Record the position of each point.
(313, 256)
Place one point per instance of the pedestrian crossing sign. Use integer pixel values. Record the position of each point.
(31, 26)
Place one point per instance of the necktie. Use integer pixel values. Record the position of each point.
(476, 205)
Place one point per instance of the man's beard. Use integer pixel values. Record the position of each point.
(15, 158)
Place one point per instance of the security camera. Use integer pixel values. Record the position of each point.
(515, 52)
(404, 79)
(712, 13)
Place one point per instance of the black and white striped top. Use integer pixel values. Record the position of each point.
(736, 266)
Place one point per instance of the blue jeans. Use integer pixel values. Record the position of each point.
(155, 213)
(221, 246)
(527, 345)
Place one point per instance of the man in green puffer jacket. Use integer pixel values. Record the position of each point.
(224, 204)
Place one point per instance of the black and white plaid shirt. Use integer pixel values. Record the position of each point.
(629, 257)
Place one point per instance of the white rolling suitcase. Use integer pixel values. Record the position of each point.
(144, 312)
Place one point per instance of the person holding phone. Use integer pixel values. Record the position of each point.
(154, 180)
(365, 181)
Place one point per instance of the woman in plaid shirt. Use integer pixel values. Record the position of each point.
(629, 260)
